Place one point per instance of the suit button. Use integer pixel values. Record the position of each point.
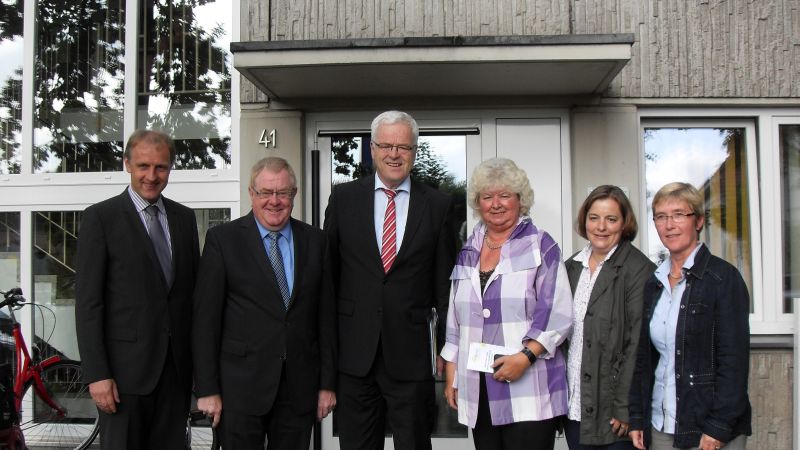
(589, 344)
(283, 357)
(589, 409)
(587, 377)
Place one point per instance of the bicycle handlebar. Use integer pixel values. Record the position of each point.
(12, 298)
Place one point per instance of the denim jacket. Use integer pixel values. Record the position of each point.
(711, 355)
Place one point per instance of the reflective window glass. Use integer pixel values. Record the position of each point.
(11, 14)
(713, 160)
(441, 162)
(790, 167)
(184, 78)
(78, 86)
(9, 250)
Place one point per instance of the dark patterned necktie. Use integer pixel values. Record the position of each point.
(159, 239)
(276, 259)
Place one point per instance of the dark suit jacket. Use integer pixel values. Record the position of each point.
(125, 316)
(391, 307)
(243, 336)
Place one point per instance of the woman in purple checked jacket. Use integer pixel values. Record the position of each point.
(509, 289)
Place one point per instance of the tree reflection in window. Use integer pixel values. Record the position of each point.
(78, 85)
(184, 78)
(11, 14)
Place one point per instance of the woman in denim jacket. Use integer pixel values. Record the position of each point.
(689, 386)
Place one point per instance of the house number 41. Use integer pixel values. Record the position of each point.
(268, 138)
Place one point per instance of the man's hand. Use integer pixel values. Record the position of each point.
(637, 436)
(105, 395)
(212, 407)
(326, 404)
(618, 427)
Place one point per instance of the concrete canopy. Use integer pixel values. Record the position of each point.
(361, 70)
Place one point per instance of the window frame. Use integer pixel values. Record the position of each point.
(764, 191)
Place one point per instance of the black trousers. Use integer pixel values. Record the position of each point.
(156, 420)
(528, 435)
(285, 426)
(363, 404)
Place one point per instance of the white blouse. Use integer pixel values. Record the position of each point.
(580, 302)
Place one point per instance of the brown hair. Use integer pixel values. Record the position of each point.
(629, 225)
(152, 137)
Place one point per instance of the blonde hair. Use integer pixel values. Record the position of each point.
(274, 164)
(500, 173)
(682, 192)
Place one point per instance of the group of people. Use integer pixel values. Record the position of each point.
(279, 323)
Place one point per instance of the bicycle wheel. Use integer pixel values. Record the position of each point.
(74, 426)
(199, 434)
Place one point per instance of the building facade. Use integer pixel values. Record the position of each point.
(578, 92)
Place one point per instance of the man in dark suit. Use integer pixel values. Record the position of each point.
(392, 247)
(265, 321)
(136, 264)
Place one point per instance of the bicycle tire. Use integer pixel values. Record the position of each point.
(43, 426)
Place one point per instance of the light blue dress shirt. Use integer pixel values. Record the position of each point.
(286, 244)
(663, 328)
(401, 209)
(141, 204)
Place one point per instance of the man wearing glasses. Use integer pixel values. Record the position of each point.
(392, 249)
(264, 330)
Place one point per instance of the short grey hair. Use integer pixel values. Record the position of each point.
(393, 117)
(274, 164)
(500, 173)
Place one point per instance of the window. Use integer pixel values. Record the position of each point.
(11, 46)
(78, 86)
(789, 143)
(184, 78)
(9, 250)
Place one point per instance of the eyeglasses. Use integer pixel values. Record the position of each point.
(402, 149)
(283, 194)
(678, 217)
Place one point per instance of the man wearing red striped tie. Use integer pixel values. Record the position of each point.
(392, 249)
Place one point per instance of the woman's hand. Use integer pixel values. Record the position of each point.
(709, 443)
(637, 436)
(619, 427)
(511, 367)
(450, 393)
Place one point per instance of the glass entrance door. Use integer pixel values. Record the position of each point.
(449, 150)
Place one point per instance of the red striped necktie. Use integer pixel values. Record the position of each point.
(389, 241)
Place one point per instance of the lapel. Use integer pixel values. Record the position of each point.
(608, 273)
(300, 256)
(365, 221)
(417, 206)
(140, 235)
(255, 246)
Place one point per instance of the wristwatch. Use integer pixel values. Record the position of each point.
(527, 352)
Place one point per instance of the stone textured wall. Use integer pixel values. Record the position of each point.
(771, 373)
(683, 49)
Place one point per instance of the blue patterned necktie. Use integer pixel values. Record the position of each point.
(276, 259)
(160, 245)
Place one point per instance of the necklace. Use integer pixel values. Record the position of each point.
(492, 245)
(679, 277)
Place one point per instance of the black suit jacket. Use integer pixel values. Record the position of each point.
(392, 307)
(243, 336)
(126, 318)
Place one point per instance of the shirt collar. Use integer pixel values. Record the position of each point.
(141, 203)
(665, 266)
(405, 186)
(583, 256)
(286, 231)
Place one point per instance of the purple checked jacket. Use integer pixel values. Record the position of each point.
(527, 297)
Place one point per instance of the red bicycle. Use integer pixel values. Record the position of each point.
(52, 405)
